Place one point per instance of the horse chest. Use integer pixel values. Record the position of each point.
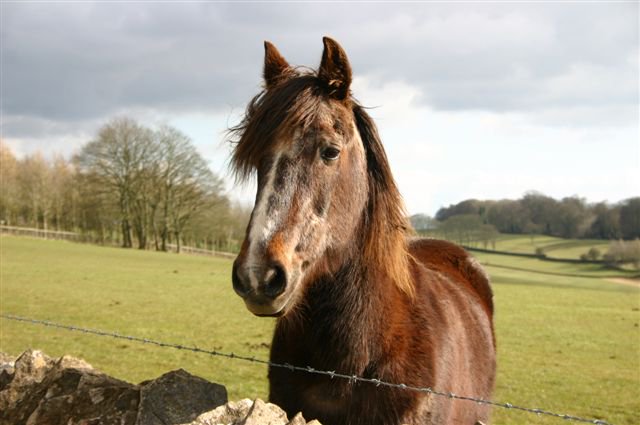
(325, 348)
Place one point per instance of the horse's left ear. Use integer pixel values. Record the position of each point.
(335, 71)
(276, 68)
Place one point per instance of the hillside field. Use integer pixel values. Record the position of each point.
(552, 246)
(566, 344)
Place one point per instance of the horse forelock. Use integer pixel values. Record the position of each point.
(271, 116)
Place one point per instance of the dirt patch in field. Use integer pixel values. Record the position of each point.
(625, 281)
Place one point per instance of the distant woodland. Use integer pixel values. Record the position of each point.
(475, 222)
(131, 185)
(149, 188)
(535, 213)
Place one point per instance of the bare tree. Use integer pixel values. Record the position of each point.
(129, 185)
(423, 223)
(119, 160)
(61, 184)
(97, 212)
(34, 180)
(8, 185)
(187, 184)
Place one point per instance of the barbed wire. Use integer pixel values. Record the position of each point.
(307, 369)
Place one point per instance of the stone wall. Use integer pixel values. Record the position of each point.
(36, 389)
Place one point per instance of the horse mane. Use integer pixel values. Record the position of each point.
(294, 102)
(387, 226)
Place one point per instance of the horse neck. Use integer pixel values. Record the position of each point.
(343, 313)
(347, 305)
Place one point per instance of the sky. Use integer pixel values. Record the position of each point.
(485, 100)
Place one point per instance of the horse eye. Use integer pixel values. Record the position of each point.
(330, 154)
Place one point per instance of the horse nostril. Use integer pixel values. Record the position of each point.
(241, 287)
(275, 281)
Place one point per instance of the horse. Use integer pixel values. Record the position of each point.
(330, 252)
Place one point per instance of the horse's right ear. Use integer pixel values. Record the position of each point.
(275, 66)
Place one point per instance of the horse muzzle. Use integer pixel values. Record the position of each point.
(264, 289)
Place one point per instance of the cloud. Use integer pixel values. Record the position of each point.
(75, 61)
(81, 61)
(440, 157)
(463, 92)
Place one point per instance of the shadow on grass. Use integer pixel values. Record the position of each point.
(578, 275)
(598, 287)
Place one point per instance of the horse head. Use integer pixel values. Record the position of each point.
(301, 139)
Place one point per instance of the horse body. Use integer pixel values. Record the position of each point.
(328, 252)
(366, 327)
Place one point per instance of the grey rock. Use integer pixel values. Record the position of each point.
(7, 359)
(6, 376)
(231, 413)
(39, 390)
(262, 413)
(32, 367)
(66, 391)
(297, 420)
(22, 390)
(7, 369)
(178, 397)
(247, 412)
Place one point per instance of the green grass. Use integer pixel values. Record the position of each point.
(174, 298)
(565, 344)
(535, 265)
(575, 248)
(552, 246)
(524, 243)
(570, 345)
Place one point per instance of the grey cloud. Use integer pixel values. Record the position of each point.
(509, 58)
(73, 62)
(81, 65)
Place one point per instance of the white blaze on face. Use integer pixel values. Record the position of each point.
(263, 224)
(272, 211)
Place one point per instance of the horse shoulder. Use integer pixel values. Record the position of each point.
(451, 260)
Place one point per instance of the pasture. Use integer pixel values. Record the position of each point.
(552, 246)
(565, 343)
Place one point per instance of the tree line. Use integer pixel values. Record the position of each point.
(131, 185)
(570, 217)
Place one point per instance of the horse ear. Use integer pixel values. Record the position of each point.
(275, 66)
(335, 71)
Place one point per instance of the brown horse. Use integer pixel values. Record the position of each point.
(329, 252)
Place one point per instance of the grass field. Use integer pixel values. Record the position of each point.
(534, 265)
(180, 299)
(566, 344)
(552, 246)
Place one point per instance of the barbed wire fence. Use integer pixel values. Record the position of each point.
(307, 369)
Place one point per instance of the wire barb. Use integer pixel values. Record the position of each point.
(332, 374)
